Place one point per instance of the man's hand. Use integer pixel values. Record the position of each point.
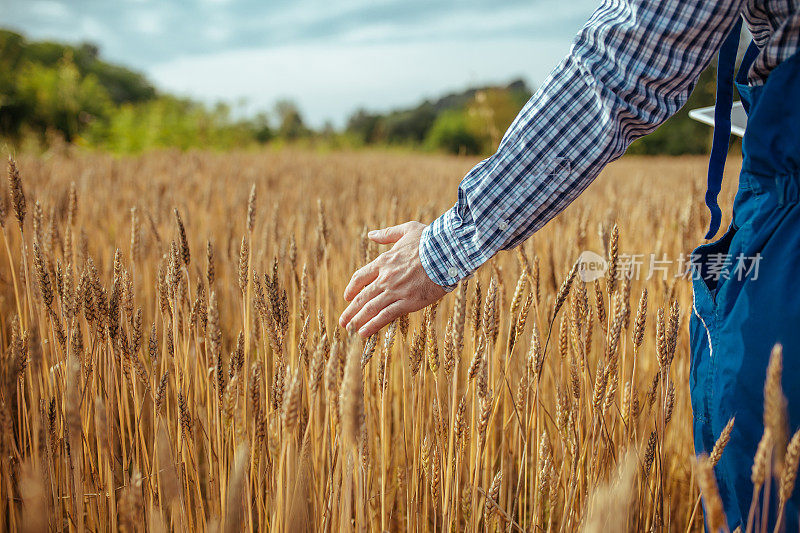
(392, 285)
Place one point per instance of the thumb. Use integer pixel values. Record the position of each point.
(388, 235)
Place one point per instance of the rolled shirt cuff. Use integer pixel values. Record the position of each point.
(445, 252)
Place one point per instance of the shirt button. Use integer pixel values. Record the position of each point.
(503, 225)
(452, 272)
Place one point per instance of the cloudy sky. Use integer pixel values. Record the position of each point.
(329, 56)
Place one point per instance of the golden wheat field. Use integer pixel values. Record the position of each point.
(171, 356)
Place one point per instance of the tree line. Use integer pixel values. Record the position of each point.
(52, 91)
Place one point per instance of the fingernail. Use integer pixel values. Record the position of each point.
(372, 233)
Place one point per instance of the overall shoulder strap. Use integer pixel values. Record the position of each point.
(722, 124)
(744, 68)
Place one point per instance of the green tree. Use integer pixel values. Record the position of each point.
(122, 84)
(454, 132)
(291, 125)
(407, 127)
(59, 97)
(262, 130)
(491, 112)
(169, 122)
(363, 126)
(12, 112)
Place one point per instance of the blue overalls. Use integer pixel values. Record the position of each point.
(747, 284)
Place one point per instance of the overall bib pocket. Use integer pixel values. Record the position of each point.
(704, 333)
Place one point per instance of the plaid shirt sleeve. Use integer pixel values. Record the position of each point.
(631, 67)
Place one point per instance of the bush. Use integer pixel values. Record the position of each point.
(59, 97)
(454, 133)
(168, 122)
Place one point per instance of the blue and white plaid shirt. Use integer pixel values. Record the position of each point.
(631, 67)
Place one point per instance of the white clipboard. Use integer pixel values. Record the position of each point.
(738, 117)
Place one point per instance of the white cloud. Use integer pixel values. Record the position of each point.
(94, 30)
(330, 56)
(217, 33)
(149, 22)
(527, 22)
(331, 82)
(47, 8)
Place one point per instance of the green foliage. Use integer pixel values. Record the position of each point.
(491, 113)
(363, 127)
(49, 88)
(291, 126)
(59, 97)
(168, 122)
(436, 124)
(262, 131)
(454, 132)
(474, 121)
(122, 84)
(479, 126)
(408, 126)
(46, 86)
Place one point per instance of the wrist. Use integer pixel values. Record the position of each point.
(444, 252)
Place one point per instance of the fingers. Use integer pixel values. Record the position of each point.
(370, 310)
(390, 313)
(389, 235)
(368, 293)
(361, 278)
